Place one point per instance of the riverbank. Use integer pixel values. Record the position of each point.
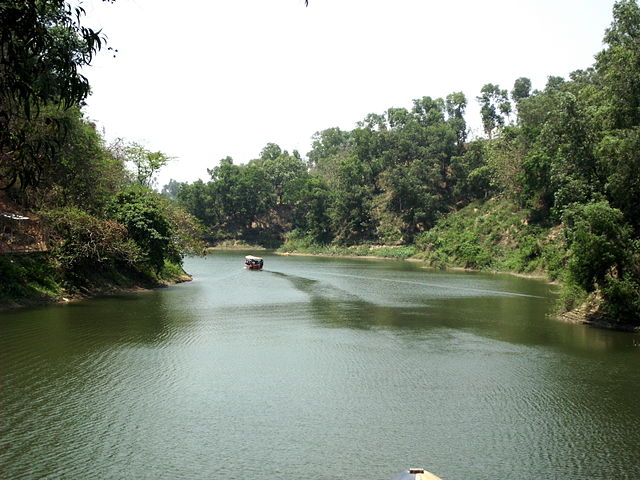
(107, 291)
(586, 314)
(234, 245)
(383, 253)
(34, 280)
(589, 316)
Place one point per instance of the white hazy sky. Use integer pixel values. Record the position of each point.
(200, 80)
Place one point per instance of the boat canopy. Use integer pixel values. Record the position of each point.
(252, 258)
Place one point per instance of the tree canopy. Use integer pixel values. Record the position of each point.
(43, 45)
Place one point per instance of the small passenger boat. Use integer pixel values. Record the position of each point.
(253, 263)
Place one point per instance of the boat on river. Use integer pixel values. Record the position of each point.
(253, 263)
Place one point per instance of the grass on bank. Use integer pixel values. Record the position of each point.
(28, 277)
(303, 245)
(494, 235)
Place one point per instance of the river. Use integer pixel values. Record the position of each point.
(317, 368)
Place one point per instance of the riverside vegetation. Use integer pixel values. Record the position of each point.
(77, 216)
(551, 188)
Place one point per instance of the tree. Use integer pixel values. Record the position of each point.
(242, 194)
(85, 244)
(197, 199)
(83, 173)
(43, 46)
(351, 200)
(271, 151)
(494, 105)
(521, 89)
(281, 169)
(505, 157)
(312, 202)
(473, 177)
(144, 162)
(617, 70)
(456, 104)
(618, 153)
(619, 66)
(171, 189)
(603, 256)
(326, 145)
(143, 213)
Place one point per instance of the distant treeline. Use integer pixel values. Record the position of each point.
(567, 156)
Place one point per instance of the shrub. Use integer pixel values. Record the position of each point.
(142, 212)
(82, 241)
(28, 277)
(622, 299)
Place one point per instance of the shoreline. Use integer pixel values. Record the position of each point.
(576, 317)
(533, 276)
(595, 321)
(110, 291)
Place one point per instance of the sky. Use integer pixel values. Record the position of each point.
(203, 80)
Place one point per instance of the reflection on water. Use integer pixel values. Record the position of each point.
(317, 365)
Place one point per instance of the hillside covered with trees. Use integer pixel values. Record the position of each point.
(552, 187)
(77, 216)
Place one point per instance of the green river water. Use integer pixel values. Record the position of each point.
(317, 368)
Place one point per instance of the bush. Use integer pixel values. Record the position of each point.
(571, 297)
(28, 277)
(81, 241)
(622, 299)
(143, 213)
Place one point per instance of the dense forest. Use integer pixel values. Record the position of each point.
(551, 187)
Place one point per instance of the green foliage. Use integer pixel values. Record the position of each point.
(297, 242)
(242, 196)
(145, 217)
(84, 174)
(43, 47)
(598, 241)
(473, 177)
(494, 235)
(618, 150)
(351, 216)
(28, 277)
(456, 104)
(572, 297)
(521, 89)
(494, 106)
(618, 66)
(605, 259)
(311, 203)
(143, 162)
(197, 198)
(326, 145)
(82, 242)
(282, 171)
(188, 232)
(622, 296)
(505, 158)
